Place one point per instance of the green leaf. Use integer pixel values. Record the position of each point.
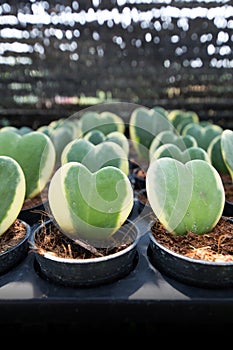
(105, 121)
(35, 153)
(216, 155)
(90, 205)
(95, 157)
(170, 136)
(172, 151)
(180, 118)
(185, 197)
(203, 133)
(12, 191)
(144, 125)
(227, 149)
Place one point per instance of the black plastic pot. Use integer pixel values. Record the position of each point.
(145, 302)
(32, 215)
(16, 254)
(196, 272)
(88, 272)
(228, 209)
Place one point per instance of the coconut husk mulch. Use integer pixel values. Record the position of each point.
(13, 236)
(52, 240)
(216, 245)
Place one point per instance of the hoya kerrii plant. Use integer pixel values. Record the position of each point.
(171, 136)
(90, 199)
(104, 121)
(12, 192)
(96, 136)
(185, 197)
(14, 232)
(97, 156)
(21, 130)
(204, 133)
(173, 151)
(181, 117)
(71, 123)
(144, 125)
(90, 204)
(89, 214)
(226, 148)
(91, 189)
(226, 142)
(215, 153)
(220, 153)
(35, 153)
(61, 132)
(181, 148)
(160, 109)
(190, 238)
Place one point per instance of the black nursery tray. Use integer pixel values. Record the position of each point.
(143, 299)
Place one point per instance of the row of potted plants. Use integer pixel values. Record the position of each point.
(191, 233)
(90, 200)
(89, 195)
(85, 168)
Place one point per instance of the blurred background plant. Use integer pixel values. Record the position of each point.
(58, 57)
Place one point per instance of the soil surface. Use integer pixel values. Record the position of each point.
(216, 245)
(52, 240)
(14, 235)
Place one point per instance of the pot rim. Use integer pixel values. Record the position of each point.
(88, 260)
(186, 258)
(27, 236)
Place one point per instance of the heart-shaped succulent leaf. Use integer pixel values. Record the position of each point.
(119, 138)
(104, 121)
(60, 137)
(95, 157)
(144, 125)
(12, 191)
(216, 155)
(169, 136)
(22, 130)
(96, 136)
(161, 110)
(35, 154)
(180, 118)
(90, 205)
(227, 149)
(203, 133)
(172, 151)
(185, 197)
(9, 128)
(72, 124)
